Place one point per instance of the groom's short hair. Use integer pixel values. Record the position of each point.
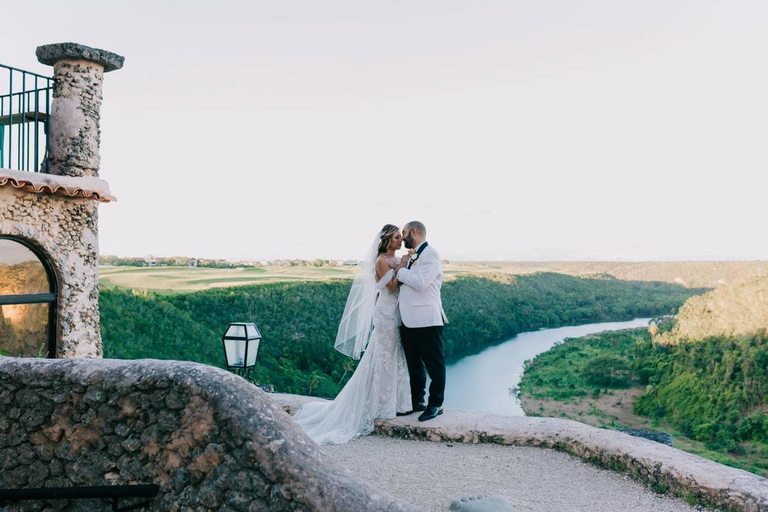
(418, 226)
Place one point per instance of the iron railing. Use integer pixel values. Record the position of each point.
(25, 101)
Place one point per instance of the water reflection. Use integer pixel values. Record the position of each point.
(24, 330)
(20, 270)
(485, 382)
(23, 327)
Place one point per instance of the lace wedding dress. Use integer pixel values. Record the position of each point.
(379, 388)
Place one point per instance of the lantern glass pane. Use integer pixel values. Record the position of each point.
(252, 331)
(236, 331)
(253, 350)
(235, 351)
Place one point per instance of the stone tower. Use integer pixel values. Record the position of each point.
(53, 216)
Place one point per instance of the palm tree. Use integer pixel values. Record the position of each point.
(348, 367)
(314, 380)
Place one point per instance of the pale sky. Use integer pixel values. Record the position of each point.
(536, 130)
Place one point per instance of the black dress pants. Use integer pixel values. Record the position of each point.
(423, 347)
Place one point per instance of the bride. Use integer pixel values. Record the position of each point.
(380, 387)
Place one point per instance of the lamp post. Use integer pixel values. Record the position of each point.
(241, 346)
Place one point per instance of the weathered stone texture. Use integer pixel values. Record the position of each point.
(52, 53)
(66, 229)
(73, 127)
(74, 136)
(664, 468)
(660, 466)
(208, 438)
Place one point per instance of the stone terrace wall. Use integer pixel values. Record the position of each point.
(208, 438)
(66, 229)
(660, 466)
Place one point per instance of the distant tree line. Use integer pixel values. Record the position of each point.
(151, 261)
(183, 261)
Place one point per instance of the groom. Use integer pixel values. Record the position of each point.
(423, 317)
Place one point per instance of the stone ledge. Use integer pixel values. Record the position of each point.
(52, 53)
(67, 186)
(661, 466)
(210, 439)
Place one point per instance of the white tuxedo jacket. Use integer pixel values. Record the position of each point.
(420, 301)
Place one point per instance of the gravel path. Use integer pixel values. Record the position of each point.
(431, 475)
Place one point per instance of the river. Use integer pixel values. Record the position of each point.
(482, 382)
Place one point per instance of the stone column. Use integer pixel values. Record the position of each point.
(73, 151)
(73, 126)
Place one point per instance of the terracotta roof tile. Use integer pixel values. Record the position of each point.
(40, 183)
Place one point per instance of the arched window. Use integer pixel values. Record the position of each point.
(28, 293)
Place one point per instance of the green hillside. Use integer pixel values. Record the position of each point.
(714, 390)
(733, 310)
(299, 320)
(703, 377)
(709, 369)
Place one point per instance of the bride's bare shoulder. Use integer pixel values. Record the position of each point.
(383, 265)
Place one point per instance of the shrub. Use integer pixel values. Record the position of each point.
(607, 371)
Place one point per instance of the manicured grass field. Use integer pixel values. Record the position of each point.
(187, 279)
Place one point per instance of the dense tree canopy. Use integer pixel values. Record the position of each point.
(299, 320)
(713, 390)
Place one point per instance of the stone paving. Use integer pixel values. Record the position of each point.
(659, 466)
(432, 475)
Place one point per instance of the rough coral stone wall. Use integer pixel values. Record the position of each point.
(74, 136)
(66, 229)
(209, 439)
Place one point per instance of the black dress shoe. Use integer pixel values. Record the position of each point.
(430, 413)
(416, 408)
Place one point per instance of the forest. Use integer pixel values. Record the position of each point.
(298, 320)
(714, 390)
(712, 394)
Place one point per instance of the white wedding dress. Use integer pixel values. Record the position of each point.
(379, 388)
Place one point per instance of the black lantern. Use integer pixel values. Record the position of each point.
(241, 346)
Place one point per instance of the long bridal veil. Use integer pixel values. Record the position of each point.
(379, 386)
(357, 321)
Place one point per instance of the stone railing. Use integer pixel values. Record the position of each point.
(661, 467)
(208, 438)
